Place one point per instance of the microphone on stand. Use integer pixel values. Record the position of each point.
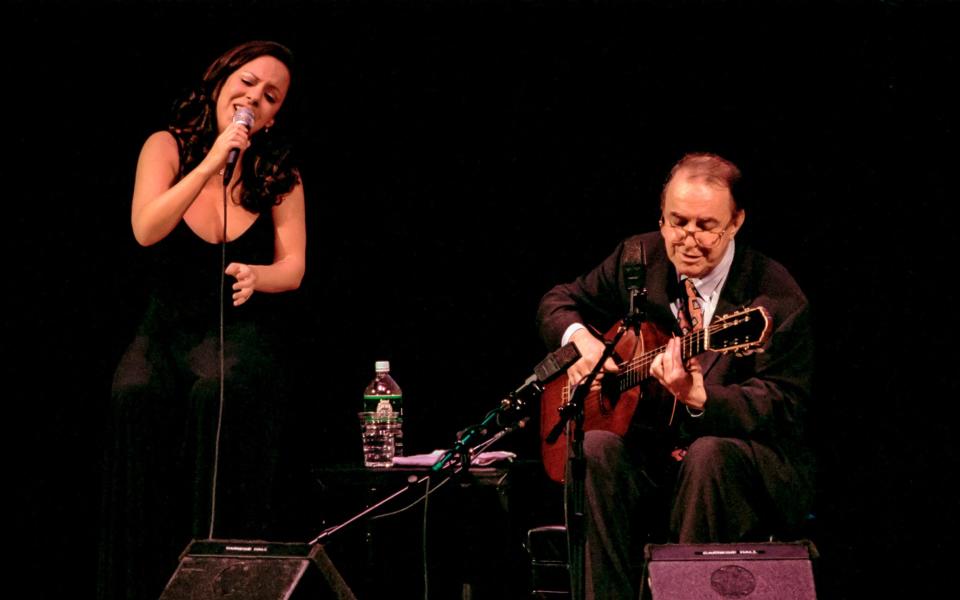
(244, 116)
(634, 265)
(554, 364)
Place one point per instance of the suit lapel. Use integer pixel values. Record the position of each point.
(735, 294)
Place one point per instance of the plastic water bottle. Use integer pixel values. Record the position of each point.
(384, 395)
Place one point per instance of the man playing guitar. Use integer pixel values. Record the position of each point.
(696, 435)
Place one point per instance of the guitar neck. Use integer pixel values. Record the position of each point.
(637, 369)
(741, 332)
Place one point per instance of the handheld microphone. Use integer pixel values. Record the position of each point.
(244, 116)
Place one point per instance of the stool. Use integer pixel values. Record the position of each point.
(549, 575)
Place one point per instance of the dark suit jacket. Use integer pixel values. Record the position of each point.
(761, 397)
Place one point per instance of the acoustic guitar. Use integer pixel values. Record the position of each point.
(612, 408)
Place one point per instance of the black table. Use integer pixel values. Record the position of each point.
(467, 542)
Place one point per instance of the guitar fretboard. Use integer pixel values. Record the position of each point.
(720, 336)
(635, 370)
(716, 337)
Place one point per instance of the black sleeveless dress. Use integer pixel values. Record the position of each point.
(161, 448)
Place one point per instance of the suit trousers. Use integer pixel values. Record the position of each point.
(716, 496)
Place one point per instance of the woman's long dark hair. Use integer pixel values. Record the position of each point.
(268, 172)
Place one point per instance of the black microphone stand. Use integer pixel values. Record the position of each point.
(572, 413)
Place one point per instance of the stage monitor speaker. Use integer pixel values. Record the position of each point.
(255, 570)
(758, 571)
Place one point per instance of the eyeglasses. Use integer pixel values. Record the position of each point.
(704, 239)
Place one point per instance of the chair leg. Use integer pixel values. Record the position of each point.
(549, 573)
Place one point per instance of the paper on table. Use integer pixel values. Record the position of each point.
(428, 460)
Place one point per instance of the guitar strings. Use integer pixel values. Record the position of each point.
(642, 362)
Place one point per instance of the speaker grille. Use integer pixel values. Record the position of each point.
(768, 571)
(254, 570)
(235, 577)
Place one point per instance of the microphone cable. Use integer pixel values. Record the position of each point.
(245, 117)
(221, 368)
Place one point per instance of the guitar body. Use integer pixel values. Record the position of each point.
(608, 410)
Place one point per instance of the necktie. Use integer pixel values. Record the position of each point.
(690, 316)
(690, 313)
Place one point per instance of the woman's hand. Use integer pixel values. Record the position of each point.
(246, 283)
(236, 135)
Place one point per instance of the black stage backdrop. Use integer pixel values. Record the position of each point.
(461, 157)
